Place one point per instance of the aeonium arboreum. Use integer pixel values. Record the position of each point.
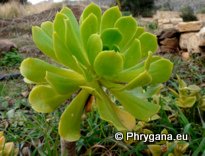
(106, 51)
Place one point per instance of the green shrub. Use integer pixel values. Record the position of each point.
(138, 7)
(11, 58)
(201, 10)
(187, 14)
(152, 26)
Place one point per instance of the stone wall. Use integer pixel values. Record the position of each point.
(167, 19)
(170, 19)
(186, 36)
(176, 35)
(192, 38)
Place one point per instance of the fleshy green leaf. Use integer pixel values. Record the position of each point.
(92, 9)
(68, 35)
(8, 149)
(2, 141)
(130, 73)
(47, 27)
(91, 90)
(160, 70)
(140, 81)
(43, 42)
(194, 89)
(139, 108)
(132, 54)
(148, 43)
(64, 54)
(153, 89)
(148, 60)
(156, 150)
(74, 44)
(139, 32)
(94, 46)
(45, 99)
(35, 70)
(111, 38)
(64, 84)
(69, 125)
(68, 12)
(127, 26)
(88, 27)
(186, 102)
(121, 119)
(109, 18)
(59, 26)
(108, 63)
(182, 84)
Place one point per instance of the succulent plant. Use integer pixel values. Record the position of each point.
(175, 148)
(178, 148)
(6, 149)
(188, 95)
(102, 55)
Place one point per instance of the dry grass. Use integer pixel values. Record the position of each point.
(13, 9)
(34, 9)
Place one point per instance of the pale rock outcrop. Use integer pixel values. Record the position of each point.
(183, 41)
(189, 26)
(193, 44)
(201, 35)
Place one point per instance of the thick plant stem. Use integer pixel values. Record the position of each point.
(68, 148)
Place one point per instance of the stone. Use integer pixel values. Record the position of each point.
(183, 40)
(185, 56)
(201, 35)
(170, 43)
(168, 40)
(163, 21)
(176, 21)
(166, 15)
(189, 26)
(6, 45)
(193, 44)
(168, 33)
(167, 26)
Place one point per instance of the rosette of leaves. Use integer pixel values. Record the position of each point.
(188, 95)
(104, 54)
(7, 149)
(176, 148)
